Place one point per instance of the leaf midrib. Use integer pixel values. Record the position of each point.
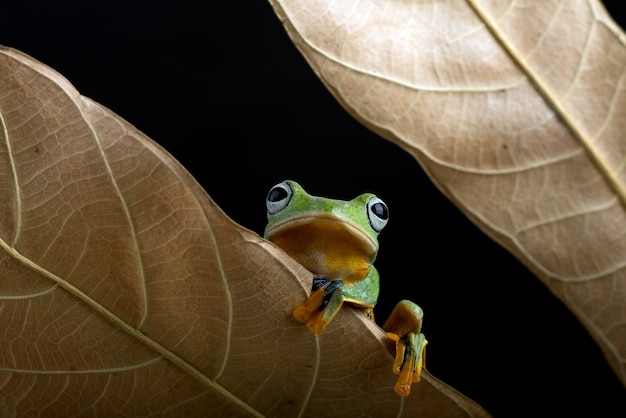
(553, 100)
(11, 251)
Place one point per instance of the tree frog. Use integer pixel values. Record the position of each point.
(338, 242)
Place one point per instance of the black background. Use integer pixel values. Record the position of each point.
(222, 88)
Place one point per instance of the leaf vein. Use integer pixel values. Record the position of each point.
(316, 370)
(131, 225)
(16, 183)
(86, 371)
(229, 302)
(414, 86)
(30, 295)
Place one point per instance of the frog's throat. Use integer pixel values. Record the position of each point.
(326, 221)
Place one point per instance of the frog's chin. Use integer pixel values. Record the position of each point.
(324, 223)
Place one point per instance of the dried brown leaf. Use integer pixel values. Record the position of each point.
(516, 111)
(124, 290)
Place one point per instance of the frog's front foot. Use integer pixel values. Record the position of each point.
(320, 307)
(410, 356)
(404, 326)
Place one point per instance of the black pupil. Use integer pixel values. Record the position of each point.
(277, 194)
(380, 210)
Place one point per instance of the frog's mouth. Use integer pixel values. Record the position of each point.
(324, 232)
(326, 245)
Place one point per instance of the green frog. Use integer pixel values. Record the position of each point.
(337, 241)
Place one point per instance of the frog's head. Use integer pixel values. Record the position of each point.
(307, 226)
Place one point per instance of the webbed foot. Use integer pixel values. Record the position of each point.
(317, 311)
(409, 362)
(404, 327)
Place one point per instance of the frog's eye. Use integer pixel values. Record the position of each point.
(377, 213)
(278, 197)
